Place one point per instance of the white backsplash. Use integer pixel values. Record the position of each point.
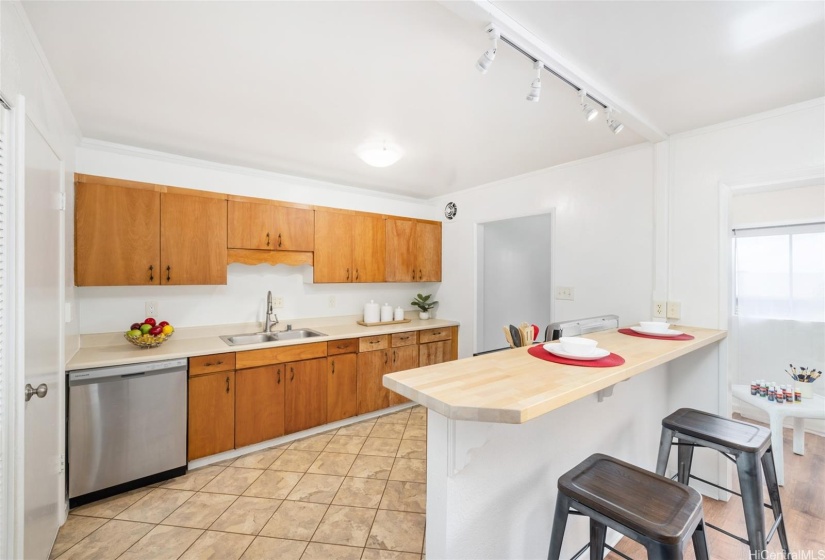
(242, 300)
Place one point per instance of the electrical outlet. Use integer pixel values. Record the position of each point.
(278, 302)
(674, 310)
(151, 308)
(331, 301)
(659, 308)
(564, 292)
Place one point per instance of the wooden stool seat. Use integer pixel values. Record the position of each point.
(651, 505)
(722, 431)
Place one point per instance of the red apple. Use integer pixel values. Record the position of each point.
(162, 324)
(154, 331)
(135, 327)
(149, 321)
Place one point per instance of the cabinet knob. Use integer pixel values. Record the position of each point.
(267, 239)
(413, 276)
(279, 376)
(347, 275)
(394, 356)
(356, 275)
(333, 367)
(151, 273)
(168, 273)
(386, 357)
(279, 240)
(420, 275)
(292, 374)
(227, 384)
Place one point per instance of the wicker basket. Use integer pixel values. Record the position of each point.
(148, 340)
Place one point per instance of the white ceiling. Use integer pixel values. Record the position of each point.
(294, 87)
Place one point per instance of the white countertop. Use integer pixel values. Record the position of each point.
(111, 349)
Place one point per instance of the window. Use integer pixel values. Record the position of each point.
(780, 272)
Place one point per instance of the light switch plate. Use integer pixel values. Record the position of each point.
(151, 308)
(674, 310)
(277, 302)
(564, 292)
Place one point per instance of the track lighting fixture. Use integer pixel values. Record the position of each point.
(535, 87)
(486, 59)
(612, 123)
(590, 112)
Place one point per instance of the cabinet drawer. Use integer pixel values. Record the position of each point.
(404, 339)
(367, 343)
(346, 346)
(432, 335)
(280, 355)
(200, 365)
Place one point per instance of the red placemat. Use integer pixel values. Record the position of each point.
(608, 361)
(631, 332)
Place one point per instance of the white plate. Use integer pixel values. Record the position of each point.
(555, 348)
(667, 333)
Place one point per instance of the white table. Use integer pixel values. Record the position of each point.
(808, 408)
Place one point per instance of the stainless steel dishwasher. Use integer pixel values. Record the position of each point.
(127, 428)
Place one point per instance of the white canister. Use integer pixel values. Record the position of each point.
(399, 314)
(386, 313)
(372, 313)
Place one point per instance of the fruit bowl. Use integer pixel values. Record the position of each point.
(148, 340)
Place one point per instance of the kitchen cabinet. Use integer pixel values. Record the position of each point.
(128, 235)
(211, 414)
(305, 396)
(259, 404)
(270, 227)
(342, 395)
(402, 358)
(349, 247)
(372, 366)
(435, 353)
(413, 251)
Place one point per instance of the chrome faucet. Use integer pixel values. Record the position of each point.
(268, 325)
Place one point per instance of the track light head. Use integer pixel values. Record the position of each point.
(589, 111)
(535, 86)
(614, 125)
(486, 60)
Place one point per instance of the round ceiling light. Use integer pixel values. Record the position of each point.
(379, 154)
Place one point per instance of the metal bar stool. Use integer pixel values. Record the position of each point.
(648, 508)
(742, 443)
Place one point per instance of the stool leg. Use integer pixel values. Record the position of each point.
(773, 492)
(660, 551)
(559, 524)
(700, 542)
(685, 461)
(665, 441)
(750, 484)
(598, 532)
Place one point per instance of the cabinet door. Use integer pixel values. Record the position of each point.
(342, 397)
(259, 404)
(211, 414)
(305, 399)
(333, 247)
(192, 239)
(369, 247)
(435, 353)
(117, 236)
(372, 395)
(428, 252)
(251, 226)
(296, 229)
(401, 261)
(405, 357)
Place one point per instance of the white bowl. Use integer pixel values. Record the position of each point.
(654, 326)
(578, 346)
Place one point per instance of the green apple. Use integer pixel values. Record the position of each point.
(145, 328)
(134, 333)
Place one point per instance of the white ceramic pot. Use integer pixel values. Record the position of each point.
(807, 390)
(423, 315)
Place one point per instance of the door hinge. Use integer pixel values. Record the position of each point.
(61, 463)
(61, 202)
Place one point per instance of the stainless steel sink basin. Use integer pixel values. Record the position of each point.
(260, 338)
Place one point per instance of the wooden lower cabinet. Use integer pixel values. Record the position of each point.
(305, 395)
(435, 353)
(211, 414)
(372, 366)
(402, 358)
(342, 396)
(259, 404)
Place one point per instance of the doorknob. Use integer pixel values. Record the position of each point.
(41, 391)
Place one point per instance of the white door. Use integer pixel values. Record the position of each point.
(43, 343)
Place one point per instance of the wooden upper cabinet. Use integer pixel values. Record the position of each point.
(349, 247)
(117, 236)
(192, 240)
(400, 251)
(270, 227)
(428, 251)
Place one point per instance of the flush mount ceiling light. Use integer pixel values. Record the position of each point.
(612, 123)
(589, 111)
(486, 59)
(535, 87)
(379, 154)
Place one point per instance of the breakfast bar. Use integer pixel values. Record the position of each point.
(504, 426)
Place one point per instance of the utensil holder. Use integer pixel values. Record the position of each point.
(806, 389)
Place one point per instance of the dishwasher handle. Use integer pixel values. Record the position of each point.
(101, 375)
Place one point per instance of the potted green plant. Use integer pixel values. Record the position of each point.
(424, 304)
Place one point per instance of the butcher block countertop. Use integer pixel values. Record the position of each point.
(111, 349)
(513, 387)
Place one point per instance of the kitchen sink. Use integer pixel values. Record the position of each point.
(260, 338)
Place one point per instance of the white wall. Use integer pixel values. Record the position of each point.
(603, 236)
(106, 309)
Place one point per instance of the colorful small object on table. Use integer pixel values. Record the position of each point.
(149, 334)
(804, 377)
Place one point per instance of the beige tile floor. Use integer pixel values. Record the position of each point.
(358, 492)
